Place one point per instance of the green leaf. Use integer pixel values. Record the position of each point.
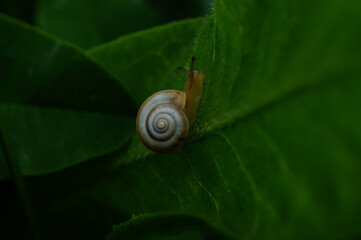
(293, 174)
(57, 106)
(66, 137)
(146, 62)
(166, 226)
(89, 23)
(251, 61)
(277, 153)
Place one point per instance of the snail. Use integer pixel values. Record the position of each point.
(164, 119)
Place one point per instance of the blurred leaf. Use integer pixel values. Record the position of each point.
(89, 23)
(20, 9)
(57, 106)
(277, 154)
(146, 62)
(67, 137)
(165, 226)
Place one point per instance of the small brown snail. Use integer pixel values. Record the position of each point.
(165, 117)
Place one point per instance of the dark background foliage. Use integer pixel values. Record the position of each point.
(100, 21)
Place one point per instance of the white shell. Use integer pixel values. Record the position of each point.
(162, 124)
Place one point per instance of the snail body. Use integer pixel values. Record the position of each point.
(164, 119)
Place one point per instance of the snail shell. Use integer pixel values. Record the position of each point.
(162, 124)
(164, 118)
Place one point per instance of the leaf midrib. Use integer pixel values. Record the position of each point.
(231, 117)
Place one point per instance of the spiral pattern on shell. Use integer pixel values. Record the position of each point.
(162, 125)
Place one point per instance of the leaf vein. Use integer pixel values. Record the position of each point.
(225, 182)
(159, 177)
(211, 196)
